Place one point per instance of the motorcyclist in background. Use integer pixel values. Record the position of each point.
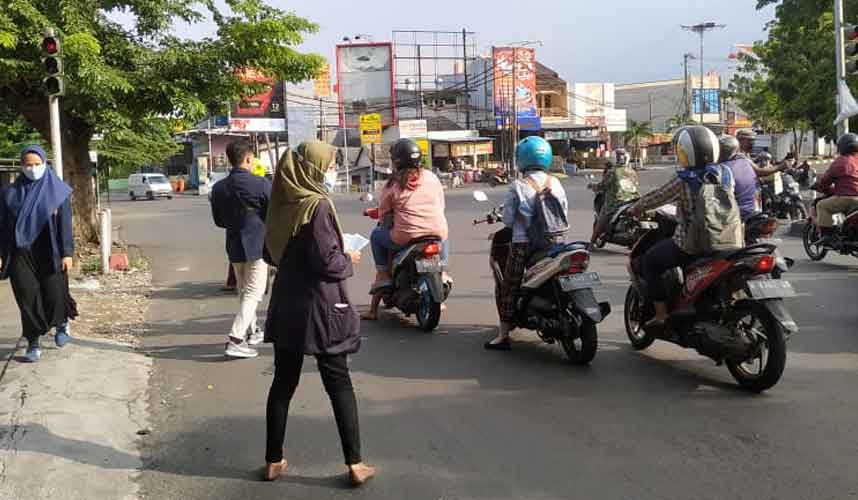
(619, 184)
(747, 189)
(841, 182)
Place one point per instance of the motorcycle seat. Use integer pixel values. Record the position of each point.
(535, 257)
(424, 239)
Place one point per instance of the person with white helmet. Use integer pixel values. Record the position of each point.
(620, 185)
(697, 149)
(747, 186)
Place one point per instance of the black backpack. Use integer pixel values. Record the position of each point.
(549, 223)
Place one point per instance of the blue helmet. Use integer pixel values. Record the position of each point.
(533, 152)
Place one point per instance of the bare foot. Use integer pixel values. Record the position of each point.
(275, 470)
(369, 316)
(360, 474)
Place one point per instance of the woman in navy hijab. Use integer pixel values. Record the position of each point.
(36, 248)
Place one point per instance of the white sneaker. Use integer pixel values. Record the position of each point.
(241, 350)
(256, 337)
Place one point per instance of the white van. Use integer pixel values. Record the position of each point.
(149, 186)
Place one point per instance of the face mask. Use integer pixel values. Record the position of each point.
(330, 180)
(35, 173)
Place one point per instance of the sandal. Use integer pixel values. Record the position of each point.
(275, 470)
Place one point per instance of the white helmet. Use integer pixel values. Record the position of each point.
(621, 157)
(696, 147)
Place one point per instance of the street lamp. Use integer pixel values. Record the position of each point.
(701, 30)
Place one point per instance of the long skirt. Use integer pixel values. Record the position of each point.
(41, 295)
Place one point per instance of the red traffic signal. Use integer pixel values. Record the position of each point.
(50, 45)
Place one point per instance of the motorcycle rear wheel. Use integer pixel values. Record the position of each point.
(812, 248)
(765, 370)
(428, 309)
(633, 318)
(582, 349)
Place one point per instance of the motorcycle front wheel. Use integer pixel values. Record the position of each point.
(428, 309)
(766, 366)
(634, 319)
(581, 349)
(810, 239)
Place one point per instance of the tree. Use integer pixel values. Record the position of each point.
(790, 81)
(15, 134)
(637, 131)
(130, 84)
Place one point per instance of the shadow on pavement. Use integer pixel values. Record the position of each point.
(37, 438)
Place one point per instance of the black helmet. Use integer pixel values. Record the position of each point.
(729, 147)
(405, 153)
(847, 144)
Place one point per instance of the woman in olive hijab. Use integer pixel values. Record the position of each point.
(310, 312)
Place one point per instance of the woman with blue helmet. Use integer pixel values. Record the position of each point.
(533, 156)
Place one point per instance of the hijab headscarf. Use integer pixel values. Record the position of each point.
(297, 190)
(34, 202)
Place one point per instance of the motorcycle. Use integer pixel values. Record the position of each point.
(782, 198)
(417, 287)
(804, 174)
(846, 242)
(725, 306)
(556, 297)
(500, 177)
(623, 230)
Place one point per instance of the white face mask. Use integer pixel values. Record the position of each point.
(330, 180)
(36, 172)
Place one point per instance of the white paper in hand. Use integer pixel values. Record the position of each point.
(354, 242)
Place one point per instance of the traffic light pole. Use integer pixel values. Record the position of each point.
(842, 127)
(56, 140)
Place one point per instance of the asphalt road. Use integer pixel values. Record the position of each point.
(444, 419)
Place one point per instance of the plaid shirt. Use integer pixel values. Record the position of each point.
(675, 191)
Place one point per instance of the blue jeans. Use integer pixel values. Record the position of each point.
(382, 245)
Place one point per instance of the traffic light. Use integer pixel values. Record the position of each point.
(850, 42)
(52, 58)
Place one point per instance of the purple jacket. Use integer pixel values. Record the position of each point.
(747, 188)
(310, 311)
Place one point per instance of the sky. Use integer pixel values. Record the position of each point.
(621, 41)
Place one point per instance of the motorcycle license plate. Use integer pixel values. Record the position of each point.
(432, 265)
(770, 289)
(571, 282)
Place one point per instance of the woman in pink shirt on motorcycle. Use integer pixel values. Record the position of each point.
(411, 207)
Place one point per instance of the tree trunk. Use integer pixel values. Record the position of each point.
(78, 174)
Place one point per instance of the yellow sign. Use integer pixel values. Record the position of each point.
(322, 83)
(370, 129)
(424, 148)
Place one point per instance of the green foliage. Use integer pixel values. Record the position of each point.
(635, 132)
(14, 135)
(791, 84)
(131, 84)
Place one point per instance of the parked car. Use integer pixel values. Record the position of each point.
(149, 186)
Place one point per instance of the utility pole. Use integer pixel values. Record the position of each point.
(686, 92)
(321, 121)
(419, 85)
(842, 127)
(650, 108)
(465, 70)
(514, 118)
(701, 30)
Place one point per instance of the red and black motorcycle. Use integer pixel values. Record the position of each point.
(725, 306)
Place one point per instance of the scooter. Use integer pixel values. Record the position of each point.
(500, 177)
(846, 242)
(418, 287)
(556, 297)
(725, 306)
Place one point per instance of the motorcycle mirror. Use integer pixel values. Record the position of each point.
(480, 196)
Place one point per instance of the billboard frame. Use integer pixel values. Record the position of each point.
(341, 104)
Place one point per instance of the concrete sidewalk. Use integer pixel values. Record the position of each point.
(69, 424)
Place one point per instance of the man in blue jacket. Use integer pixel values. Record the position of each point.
(239, 205)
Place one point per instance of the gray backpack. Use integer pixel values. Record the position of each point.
(549, 223)
(716, 225)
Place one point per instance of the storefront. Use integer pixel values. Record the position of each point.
(467, 153)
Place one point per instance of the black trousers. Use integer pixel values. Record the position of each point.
(663, 256)
(40, 294)
(338, 385)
